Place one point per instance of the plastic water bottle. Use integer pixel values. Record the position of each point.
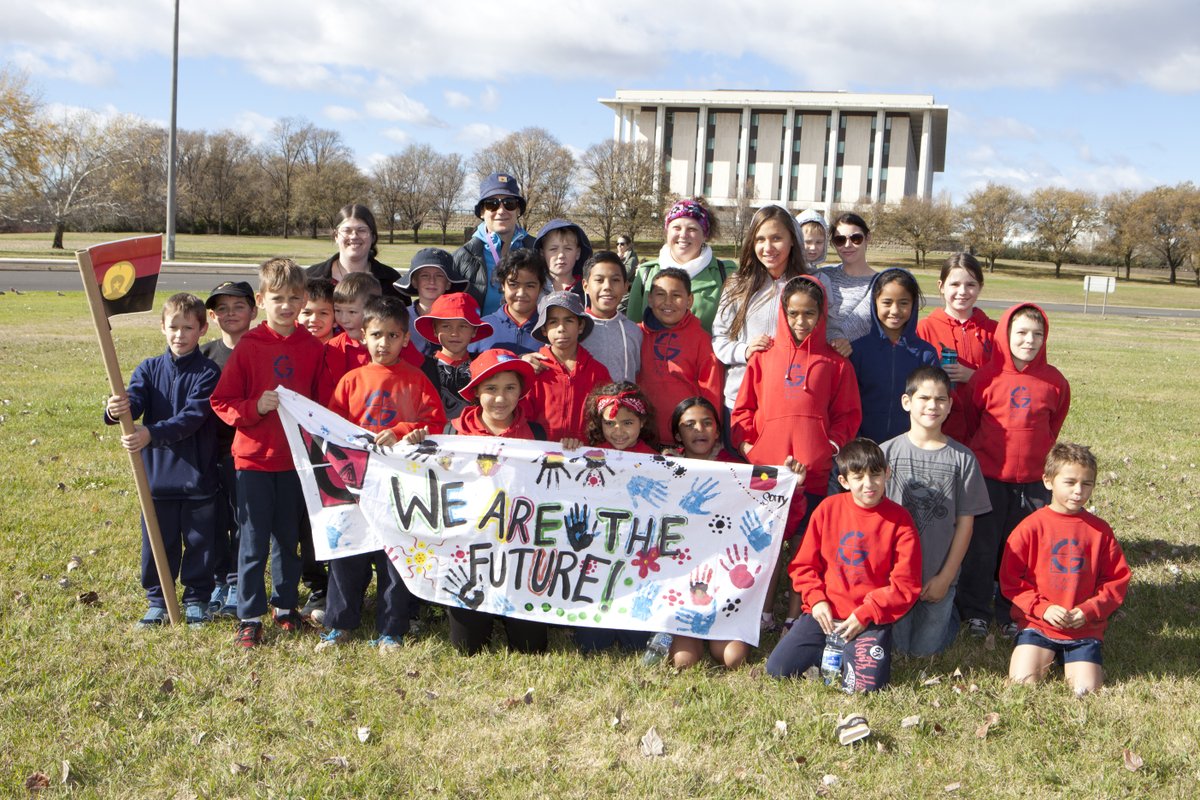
(657, 649)
(831, 660)
(949, 357)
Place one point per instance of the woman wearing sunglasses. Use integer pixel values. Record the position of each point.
(500, 207)
(355, 237)
(848, 284)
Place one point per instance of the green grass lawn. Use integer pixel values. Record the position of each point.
(79, 684)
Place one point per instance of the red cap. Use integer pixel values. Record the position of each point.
(492, 362)
(458, 305)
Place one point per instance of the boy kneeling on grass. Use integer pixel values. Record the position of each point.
(1065, 574)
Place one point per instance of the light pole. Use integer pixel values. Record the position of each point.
(171, 154)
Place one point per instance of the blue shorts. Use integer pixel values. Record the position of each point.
(1065, 651)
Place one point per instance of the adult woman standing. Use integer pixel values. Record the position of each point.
(772, 254)
(848, 284)
(629, 256)
(688, 225)
(500, 207)
(355, 237)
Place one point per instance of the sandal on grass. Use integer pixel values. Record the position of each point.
(851, 728)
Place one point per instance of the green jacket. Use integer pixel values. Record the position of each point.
(706, 289)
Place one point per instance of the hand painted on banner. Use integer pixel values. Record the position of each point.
(643, 602)
(677, 469)
(333, 535)
(755, 533)
(423, 451)
(503, 606)
(594, 465)
(700, 493)
(488, 462)
(697, 622)
(699, 585)
(464, 589)
(579, 535)
(554, 466)
(652, 491)
(739, 567)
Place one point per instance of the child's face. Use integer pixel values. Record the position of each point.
(233, 315)
(894, 306)
(606, 287)
(183, 331)
(562, 329)
(928, 405)
(866, 488)
(1025, 339)
(623, 430)
(561, 251)
(1071, 488)
(697, 432)
(521, 291)
(453, 335)
(814, 245)
(772, 246)
(498, 397)
(802, 314)
(670, 300)
(349, 316)
(431, 284)
(317, 316)
(960, 290)
(281, 307)
(384, 340)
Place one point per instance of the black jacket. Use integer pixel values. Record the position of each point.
(386, 276)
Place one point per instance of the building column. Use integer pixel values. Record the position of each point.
(924, 167)
(785, 185)
(618, 115)
(877, 145)
(701, 131)
(743, 162)
(627, 122)
(660, 127)
(835, 122)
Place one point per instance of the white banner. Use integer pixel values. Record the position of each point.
(599, 538)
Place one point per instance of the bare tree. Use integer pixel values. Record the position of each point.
(281, 161)
(990, 217)
(406, 176)
(139, 185)
(621, 185)
(327, 172)
(919, 223)
(743, 213)
(447, 178)
(72, 180)
(1057, 218)
(542, 166)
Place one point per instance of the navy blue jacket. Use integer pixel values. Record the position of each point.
(507, 335)
(171, 396)
(882, 369)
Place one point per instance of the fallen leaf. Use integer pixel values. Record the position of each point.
(989, 642)
(938, 730)
(167, 686)
(198, 738)
(880, 746)
(974, 687)
(341, 762)
(528, 698)
(991, 719)
(934, 681)
(88, 598)
(800, 761)
(829, 780)
(67, 777)
(1133, 762)
(780, 728)
(953, 787)
(93, 551)
(364, 734)
(402, 693)
(310, 723)
(237, 769)
(957, 673)
(935, 703)
(33, 442)
(266, 758)
(412, 673)
(911, 722)
(652, 743)
(822, 790)
(430, 694)
(63, 583)
(617, 718)
(254, 680)
(75, 563)
(37, 782)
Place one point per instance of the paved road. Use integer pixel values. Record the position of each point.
(202, 278)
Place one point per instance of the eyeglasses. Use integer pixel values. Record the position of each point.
(839, 240)
(509, 203)
(346, 233)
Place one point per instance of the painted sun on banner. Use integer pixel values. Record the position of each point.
(590, 537)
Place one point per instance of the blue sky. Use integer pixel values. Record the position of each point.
(1098, 95)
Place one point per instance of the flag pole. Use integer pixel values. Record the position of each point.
(117, 385)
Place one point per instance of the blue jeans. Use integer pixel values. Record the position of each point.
(270, 505)
(927, 629)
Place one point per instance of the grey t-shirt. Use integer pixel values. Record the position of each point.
(936, 487)
(848, 303)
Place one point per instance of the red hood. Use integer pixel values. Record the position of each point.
(1002, 339)
(470, 423)
(814, 345)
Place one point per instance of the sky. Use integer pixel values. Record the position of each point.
(1099, 95)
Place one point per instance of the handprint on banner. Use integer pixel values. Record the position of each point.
(697, 622)
(465, 590)
(652, 491)
(554, 466)
(700, 493)
(643, 602)
(503, 606)
(576, 523)
(700, 583)
(739, 567)
(488, 462)
(755, 533)
(594, 465)
(423, 451)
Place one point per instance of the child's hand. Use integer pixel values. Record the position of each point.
(412, 437)
(385, 439)
(746, 448)
(536, 361)
(936, 589)
(958, 373)
(136, 441)
(842, 346)
(268, 402)
(1057, 616)
(571, 444)
(849, 628)
(116, 406)
(824, 617)
(758, 344)
(795, 466)
(1076, 618)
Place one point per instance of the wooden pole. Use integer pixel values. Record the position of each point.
(117, 385)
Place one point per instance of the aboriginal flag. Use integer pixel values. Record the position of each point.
(127, 273)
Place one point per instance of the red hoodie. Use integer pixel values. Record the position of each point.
(797, 400)
(677, 363)
(263, 360)
(862, 561)
(973, 340)
(470, 423)
(1068, 560)
(398, 398)
(556, 398)
(341, 355)
(1013, 416)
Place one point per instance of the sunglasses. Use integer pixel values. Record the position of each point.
(839, 240)
(509, 203)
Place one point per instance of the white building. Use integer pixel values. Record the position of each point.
(798, 149)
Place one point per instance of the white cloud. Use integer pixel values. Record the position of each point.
(341, 113)
(255, 126)
(456, 99)
(489, 98)
(479, 134)
(62, 62)
(396, 134)
(402, 109)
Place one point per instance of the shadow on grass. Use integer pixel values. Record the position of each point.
(1154, 632)
(1143, 552)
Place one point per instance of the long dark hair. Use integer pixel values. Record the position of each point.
(751, 275)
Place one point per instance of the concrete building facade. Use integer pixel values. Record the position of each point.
(798, 149)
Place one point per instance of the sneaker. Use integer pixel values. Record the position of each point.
(387, 644)
(978, 628)
(332, 638)
(195, 614)
(289, 621)
(314, 608)
(155, 617)
(229, 607)
(787, 626)
(767, 624)
(1009, 629)
(217, 600)
(249, 634)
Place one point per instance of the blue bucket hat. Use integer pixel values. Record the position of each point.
(571, 302)
(435, 258)
(498, 184)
